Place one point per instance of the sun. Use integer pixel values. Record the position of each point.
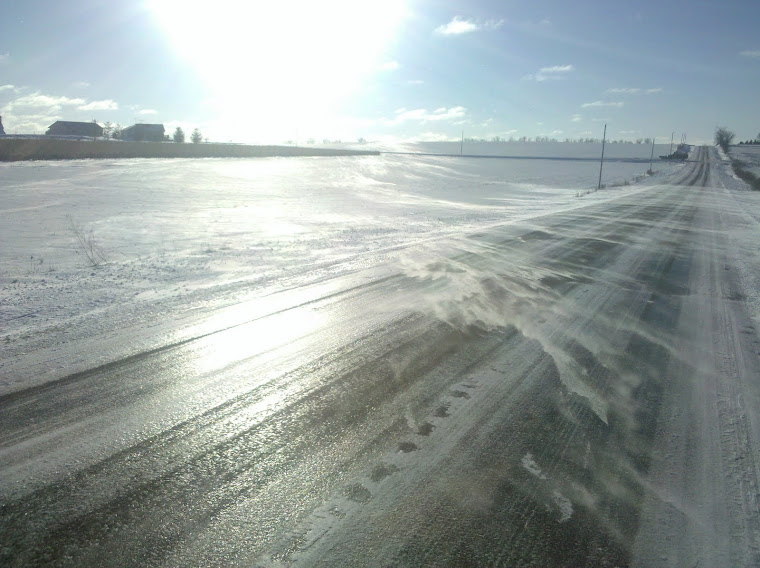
(285, 58)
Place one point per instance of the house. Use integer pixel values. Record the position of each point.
(143, 133)
(66, 128)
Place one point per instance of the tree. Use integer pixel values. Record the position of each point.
(107, 130)
(723, 137)
(196, 137)
(179, 135)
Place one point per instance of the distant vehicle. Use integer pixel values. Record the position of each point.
(681, 153)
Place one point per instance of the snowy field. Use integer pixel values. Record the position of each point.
(750, 155)
(181, 236)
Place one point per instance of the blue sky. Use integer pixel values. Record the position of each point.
(392, 70)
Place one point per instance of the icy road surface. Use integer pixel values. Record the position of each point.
(577, 388)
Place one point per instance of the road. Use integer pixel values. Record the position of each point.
(580, 389)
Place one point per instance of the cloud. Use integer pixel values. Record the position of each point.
(602, 104)
(148, 111)
(415, 82)
(4, 57)
(51, 103)
(459, 26)
(81, 85)
(424, 115)
(34, 112)
(390, 66)
(557, 69)
(576, 118)
(553, 73)
(754, 54)
(107, 104)
(633, 91)
(7, 88)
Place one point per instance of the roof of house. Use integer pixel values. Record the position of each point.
(92, 127)
(143, 126)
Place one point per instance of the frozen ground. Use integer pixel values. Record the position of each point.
(427, 361)
(185, 236)
(750, 155)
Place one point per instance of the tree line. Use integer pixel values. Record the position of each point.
(499, 139)
(113, 132)
(724, 137)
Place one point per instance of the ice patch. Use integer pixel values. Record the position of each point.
(565, 506)
(529, 464)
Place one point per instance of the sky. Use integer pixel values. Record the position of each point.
(397, 70)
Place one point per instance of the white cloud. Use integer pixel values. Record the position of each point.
(147, 111)
(459, 26)
(81, 85)
(755, 53)
(7, 88)
(424, 115)
(38, 100)
(557, 69)
(34, 112)
(633, 91)
(415, 82)
(107, 104)
(576, 118)
(553, 73)
(390, 66)
(4, 57)
(602, 104)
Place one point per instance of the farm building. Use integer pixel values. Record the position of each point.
(67, 128)
(143, 133)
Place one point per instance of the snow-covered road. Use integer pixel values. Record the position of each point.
(576, 388)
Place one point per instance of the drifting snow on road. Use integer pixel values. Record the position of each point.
(424, 363)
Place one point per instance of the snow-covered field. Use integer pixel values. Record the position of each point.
(398, 359)
(750, 155)
(180, 236)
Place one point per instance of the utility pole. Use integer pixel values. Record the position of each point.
(601, 164)
(461, 146)
(651, 157)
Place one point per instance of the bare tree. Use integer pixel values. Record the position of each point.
(723, 137)
(86, 244)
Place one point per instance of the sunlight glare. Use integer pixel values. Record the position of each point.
(268, 59)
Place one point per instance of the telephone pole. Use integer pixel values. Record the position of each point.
(601, 164)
